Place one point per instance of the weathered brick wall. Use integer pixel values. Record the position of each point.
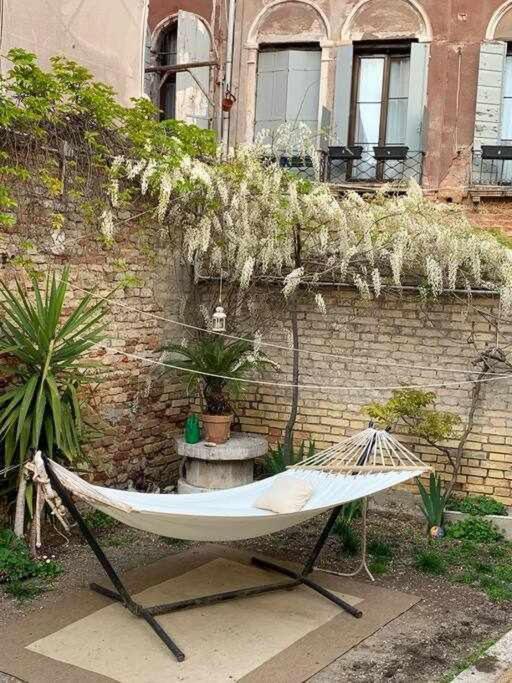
(397, 330)
(139, 411)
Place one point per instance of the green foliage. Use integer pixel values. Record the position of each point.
(430, 561)
(380, 550)
(378, 566)
(275, 461)
(206, 362)
(23, 576)
(98, 520)
(41, 405)
(344, 530)
(415, 408)
(478, 505)
(433, 501)
(64, 106)
(474, 529)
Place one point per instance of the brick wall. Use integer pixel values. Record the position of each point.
(400, 331)
(139, 411)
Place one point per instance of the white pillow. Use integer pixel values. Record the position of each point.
(286, 494)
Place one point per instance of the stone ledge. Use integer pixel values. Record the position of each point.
(241, 446)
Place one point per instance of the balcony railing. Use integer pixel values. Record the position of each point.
(352, 164)
(492, 166)
(388, 164)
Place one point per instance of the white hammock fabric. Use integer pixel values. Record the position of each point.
(360, 466)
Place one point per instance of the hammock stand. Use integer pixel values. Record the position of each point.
(356, 453)
(122, 595)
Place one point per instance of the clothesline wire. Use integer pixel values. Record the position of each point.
(288, 385)
(329, 354)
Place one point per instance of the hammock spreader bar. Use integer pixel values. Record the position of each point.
(122, 595)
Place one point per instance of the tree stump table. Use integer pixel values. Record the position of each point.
(224, 466)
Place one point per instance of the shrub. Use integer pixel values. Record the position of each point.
(478, 505)
(474, 529)
(343, 527)
(97, 519)
(275, 462)
(378, 566)
(380, 549)
(433, 501)
(430, 562)
(16, 566)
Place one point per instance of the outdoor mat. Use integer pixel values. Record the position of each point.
(284, 637)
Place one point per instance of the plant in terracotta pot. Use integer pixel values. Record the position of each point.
(214, 367)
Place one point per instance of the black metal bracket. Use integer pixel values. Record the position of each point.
(122, 595)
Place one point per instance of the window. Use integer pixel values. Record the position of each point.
(167, 56)
(288, 87)
(506, 115)
(379, 104)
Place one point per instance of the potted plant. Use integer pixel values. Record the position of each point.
(214, 368)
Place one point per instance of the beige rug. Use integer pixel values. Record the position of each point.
(281, 636)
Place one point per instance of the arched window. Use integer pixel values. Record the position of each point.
(182, 93)
(167, 53)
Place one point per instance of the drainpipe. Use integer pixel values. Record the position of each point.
(228, 70)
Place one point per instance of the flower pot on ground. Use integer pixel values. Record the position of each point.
(214, 369)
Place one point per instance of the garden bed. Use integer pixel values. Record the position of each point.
(432, 639)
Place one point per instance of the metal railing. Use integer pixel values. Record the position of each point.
(374, 167)
(492, 166)
(353, 165)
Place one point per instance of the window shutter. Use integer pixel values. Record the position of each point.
(271, 90)
(342, 93)
(193, 45)
(489, 93)
(303, 87)
(420, 53)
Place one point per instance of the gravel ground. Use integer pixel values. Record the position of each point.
(449, 623)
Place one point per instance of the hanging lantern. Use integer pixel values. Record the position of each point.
(219, 320)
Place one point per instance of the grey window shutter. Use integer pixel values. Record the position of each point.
(192, 89)
(489, 93)
(303, 87)
(420, 53)
(271, 90)
(342, 93)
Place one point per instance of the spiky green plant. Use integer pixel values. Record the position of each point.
(433, 501)
(275, 462)
(214, 367)
(45, 347)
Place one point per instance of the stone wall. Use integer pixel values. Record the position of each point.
(398, 331)
(138, 410)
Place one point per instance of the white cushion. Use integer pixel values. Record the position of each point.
(286, 494)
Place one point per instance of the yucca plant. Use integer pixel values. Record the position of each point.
(275, 462)
(44, 347)
(433, 501)
(207, 362)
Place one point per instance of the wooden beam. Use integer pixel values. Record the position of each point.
(174, 68)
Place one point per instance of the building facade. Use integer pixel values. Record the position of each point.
(393, 88)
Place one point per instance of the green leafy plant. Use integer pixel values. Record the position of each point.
(380, 550)
(433, 501)
(478, 505)
(344, 530)
(97, 519)
(214, 367)
(474, 529)
(430, 561)
(275, 461)
(45, 347)
(23, 575)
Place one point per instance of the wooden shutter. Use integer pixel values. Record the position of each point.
(489, 93)
(342, 93)
(271, 90)
(420, 53)
(303, 87)
(287, 88)
(193, 45)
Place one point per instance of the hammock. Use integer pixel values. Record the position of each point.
(358, 467)
(365, 464)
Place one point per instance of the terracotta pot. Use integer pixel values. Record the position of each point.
(217, 427)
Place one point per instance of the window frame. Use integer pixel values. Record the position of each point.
(167, 80)
(390, 52)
